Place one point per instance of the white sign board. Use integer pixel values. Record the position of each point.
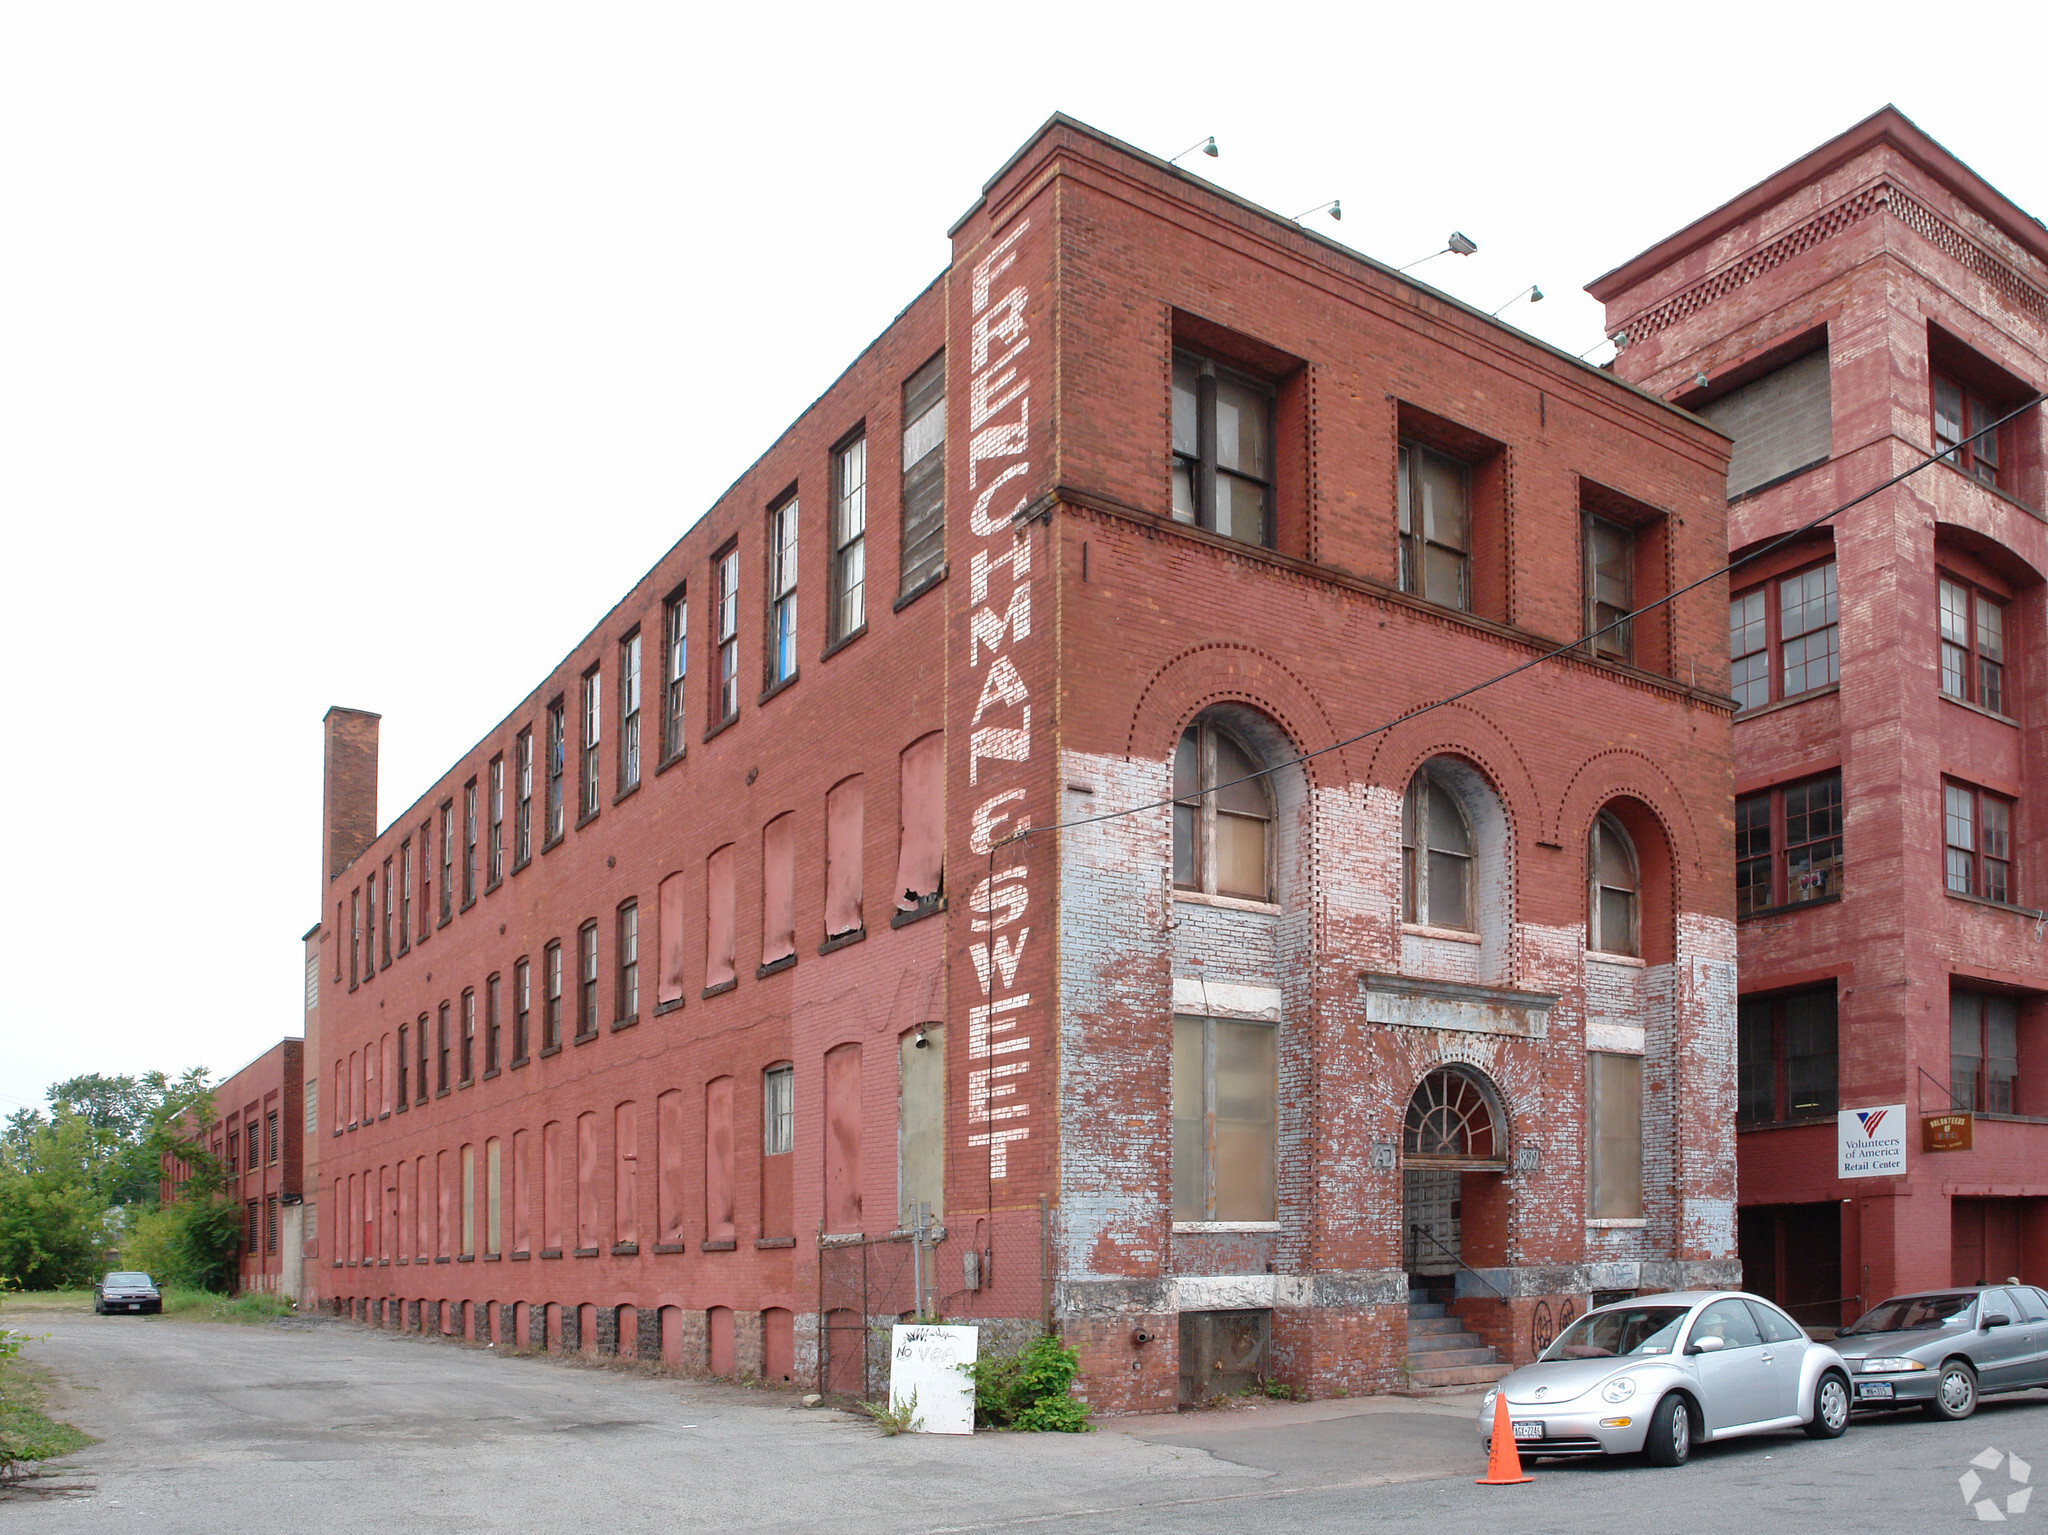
(926, 1360)
(1871, 1143)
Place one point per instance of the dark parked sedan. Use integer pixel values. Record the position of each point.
(127, 1290)
(1943, 1349)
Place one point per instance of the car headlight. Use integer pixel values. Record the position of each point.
(1889, 1366)
(1486, 1402)
(1619, 1390)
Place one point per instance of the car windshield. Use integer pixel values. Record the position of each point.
(1915, 1313)
(128, 1281)
(1618, 1331)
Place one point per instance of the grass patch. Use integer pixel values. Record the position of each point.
(185, 1304)
(26, 1433)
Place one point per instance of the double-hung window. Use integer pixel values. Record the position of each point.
(1983, 1052)
(1977, 831)
(1222, 450)
(1435, 522)
(405, 895)
(494, 853)
(1972, 645)
(1222, 816)
(468, 843)
(390, 906)
(586, 764)
(447, 858)
(522, 1002)
(924, 476)
(782, 547)
(1788, 844)
(370, 925)
(1226, 1100)
(557, 747)
(849, 538)
(586, 980)
(1963, 433)
(778, 1110)
(551, 997)
(1610, 553)
(727, 571)
(675, 651)
(441, 1051)
(1785, 1057)
(404, 1064)
(468, 1042)
(628, 985)
(629, 711)
(522, 816)
(355, 938)
(420, 1033)
(493, 1021)
(1795, 617)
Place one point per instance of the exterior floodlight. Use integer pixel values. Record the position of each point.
(1335, 206)
(1460, 245)
(1533, 293)
(1207, 146)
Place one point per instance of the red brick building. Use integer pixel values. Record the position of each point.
(1871, 304)
(935, 829)
(256, 1135)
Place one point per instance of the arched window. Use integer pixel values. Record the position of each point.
(1436, 855)
(1451, 1119)
(1222, 816)
(1612, 887)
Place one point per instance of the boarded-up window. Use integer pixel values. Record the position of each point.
(669, 981)
(844, 821)
(921, 1124)
(1780, 422)
(551, 1170)
(626, 1173)
(469, 1201)
(668, 1153)
(444, 1180)
(718, 1179)
(407, 1192)
(842, 1139)
(922, 800)
(778, 889)
(924, 474)
(586, 1180)
(778, 1345)
(1225, 1113)
(390, 1058)
(718, 918)
(522, 1191)
(718, 1324)
(424, 1236)
(1614, 1136)
(494, 1173)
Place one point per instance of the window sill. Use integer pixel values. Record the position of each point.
(1615, 1223)
(445, 919)
(674, 1004)
(1626, 961)
(586, 818)
(465, 1257)
(383, 1263)
(548, 1050)
(493, 1257)
(551, 844)
(776, 687)
(1449, 934)
(769, 1244)
(1760, 710)
(624, 1023)
(517, 1061)
(522, 863)
(1205, 1228)
(402, 1262)
(723, 725)
(717, 1247)
(403, 1107)
(1982, 900)
(551, 1252)
(493, 883)
(582, 1036)
(918, 590)
(774, 967)
(1985, 485)
(1791, 906)
(489, 1072)
(918, 913)
(626, 793)
(668, 762)
(465, 1082)
(588, 1252)
(625, 1249)
(385, 1115)
(841, 643)
(842, 940)
(1226, 902)
(665, 1248)
(443, 1259)
(522, 1257)
(1989, 714)
(467, 902)
(721, 988)
(441, 1092)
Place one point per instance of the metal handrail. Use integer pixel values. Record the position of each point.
(1424, 1231)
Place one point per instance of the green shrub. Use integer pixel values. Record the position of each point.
(1029, 1390)
(191, 1243)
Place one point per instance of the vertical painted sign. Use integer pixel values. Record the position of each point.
(999, 740)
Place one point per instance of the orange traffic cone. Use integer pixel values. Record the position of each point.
(1503, 1464)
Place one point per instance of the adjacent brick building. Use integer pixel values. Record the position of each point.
(1871, 304)
(256, 1136)
(983, 811)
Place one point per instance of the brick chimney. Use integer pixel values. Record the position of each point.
(348, 812)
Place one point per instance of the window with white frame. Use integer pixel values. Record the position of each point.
(1222, 816)
(782, 549)
(727, 567)
(675, 652)
(1612, 915)
(593, 707)
(629, 711)
(849, 538)
(778, 1110)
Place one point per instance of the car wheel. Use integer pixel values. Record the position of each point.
(1955, 1394)
(1670, 1438)
(1830, 1407)
(98, 1309)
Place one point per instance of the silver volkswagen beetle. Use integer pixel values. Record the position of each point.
(1661, 1373)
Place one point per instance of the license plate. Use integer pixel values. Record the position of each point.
(135, 1305)
(1875, 1390)
(1526, 1430)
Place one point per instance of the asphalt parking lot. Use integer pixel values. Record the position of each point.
(322, 1425)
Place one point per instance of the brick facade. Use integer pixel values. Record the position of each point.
(1883, 261)
(256, 1134)
(1072, 633)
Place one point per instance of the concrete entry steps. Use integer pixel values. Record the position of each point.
(1442, 1355)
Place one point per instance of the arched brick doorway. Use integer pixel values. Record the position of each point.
(1454, 1129)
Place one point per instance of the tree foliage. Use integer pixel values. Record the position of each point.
(1028, 1390)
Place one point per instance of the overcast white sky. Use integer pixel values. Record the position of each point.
(365, 354)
